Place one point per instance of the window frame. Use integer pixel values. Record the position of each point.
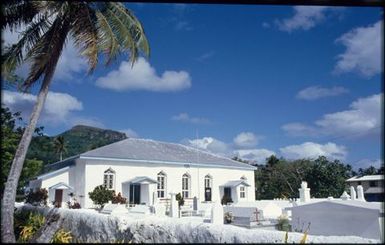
(161, 176)
(208, 181)
(109, 177)
(186, 185)
(242, 192)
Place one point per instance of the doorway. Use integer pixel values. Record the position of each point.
(135, 193)
(58, 197)
(208, 194)
(227, 191)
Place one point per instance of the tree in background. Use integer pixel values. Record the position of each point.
(11, 134)
(281, 178)
(60, 146)
(95, 27)
(368, 171)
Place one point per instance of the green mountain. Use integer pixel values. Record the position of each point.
(78, 139)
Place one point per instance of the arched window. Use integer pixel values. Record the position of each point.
(208, 181)
(207, 187)
(162, 181)
(186, 185)
(109, 179)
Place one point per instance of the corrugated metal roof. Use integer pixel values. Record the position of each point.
(151, 150)
(61, 164)
(366, 178)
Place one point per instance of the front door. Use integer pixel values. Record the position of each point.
(135, 193)
(227, 191)
(58, 197)
(208, 194)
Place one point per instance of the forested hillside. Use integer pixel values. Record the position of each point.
(77, 140)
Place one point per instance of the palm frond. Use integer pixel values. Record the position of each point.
(107, 38)
(46, 52)
(123, 34)
(85, 34)
(17, 13)
(137, 31)
(14, 55)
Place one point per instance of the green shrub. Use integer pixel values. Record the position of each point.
(101, 195)
(283, 223)
(61, 236)
(180, 199)
(34, 223)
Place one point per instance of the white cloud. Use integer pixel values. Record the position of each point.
(365, 163)
(184, 117)
(229, 150)
(209, 144)
(258, 155)
(364, 115)
(363, 52)
(317, 92)
(56, 108)
(362, 119)
(305, 18)
(59, 108)
(130, 133)
(313, 150)
(300, 129)
(69, 64)
(143, 77)
(246, 140)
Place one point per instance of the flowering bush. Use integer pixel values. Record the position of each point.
(38, 197)
(119, 199)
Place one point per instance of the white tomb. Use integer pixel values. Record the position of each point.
(217, 214)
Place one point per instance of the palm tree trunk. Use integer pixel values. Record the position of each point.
(61, 156)
(8, 202)
(9, 196)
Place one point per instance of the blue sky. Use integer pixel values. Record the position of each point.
(295, 81)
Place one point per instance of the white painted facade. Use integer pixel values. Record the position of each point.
(86, 172)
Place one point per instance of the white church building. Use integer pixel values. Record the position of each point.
(142, 170)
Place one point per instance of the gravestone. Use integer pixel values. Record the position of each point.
(174, 206)
(353, 194)
(360, 193)
(217, 214)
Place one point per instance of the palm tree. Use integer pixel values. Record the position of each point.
(60, 146)
(106, 27)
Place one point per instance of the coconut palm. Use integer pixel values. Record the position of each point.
(60, 146)
(106, 27)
